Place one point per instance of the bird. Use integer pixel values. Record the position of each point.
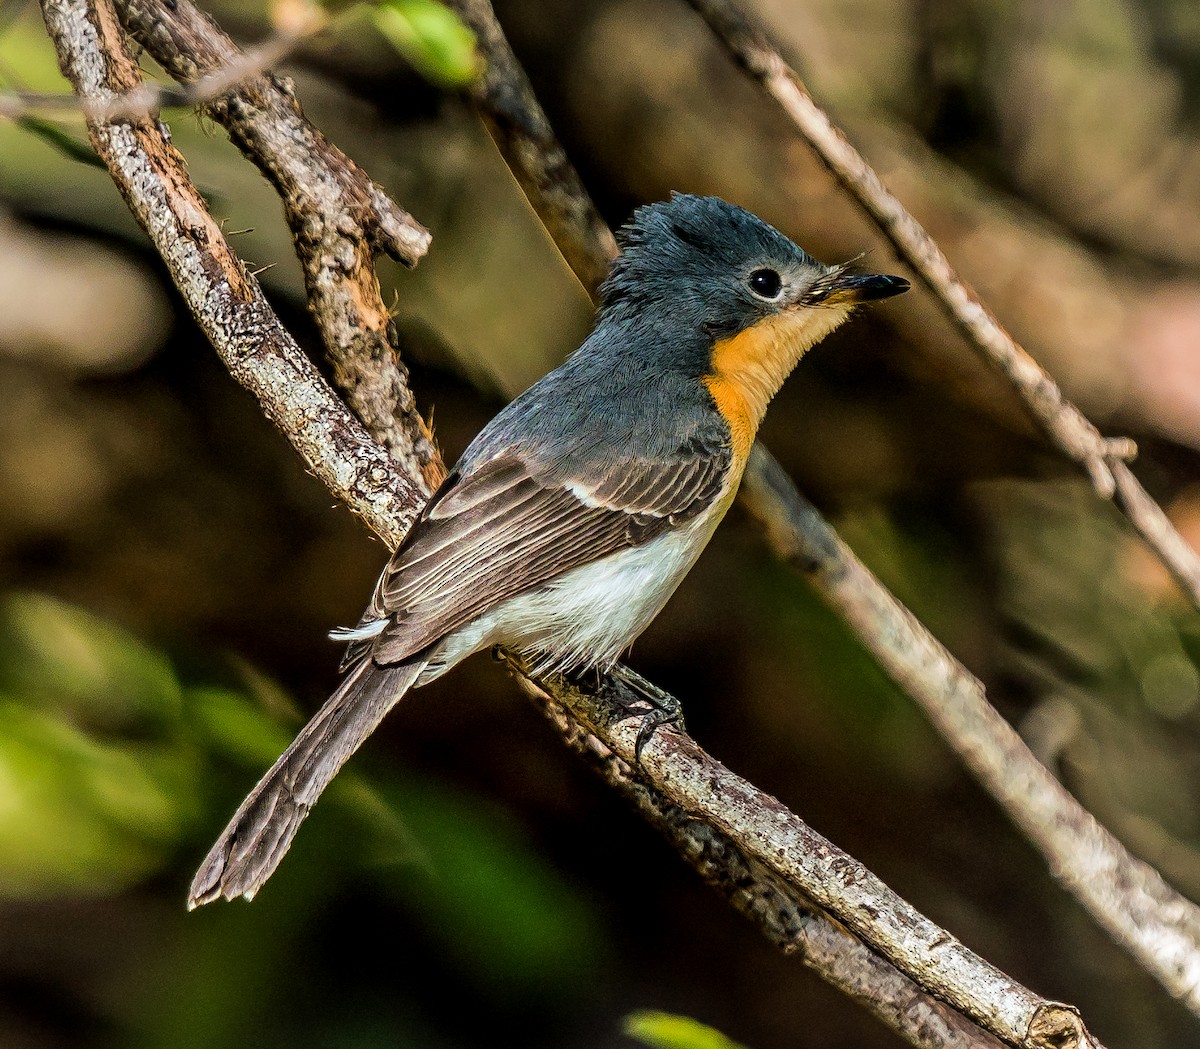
(575, 513)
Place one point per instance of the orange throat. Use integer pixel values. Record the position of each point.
(748, 368)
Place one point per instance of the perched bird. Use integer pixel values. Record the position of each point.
(573, 516)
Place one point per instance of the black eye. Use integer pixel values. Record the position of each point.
(766, 283)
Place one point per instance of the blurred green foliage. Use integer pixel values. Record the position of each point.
(432, 37)
(110, 758)
(885, 726)
(504, 914)
(668, 1031)
(100, 780)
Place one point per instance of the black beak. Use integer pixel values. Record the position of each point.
(849, 288)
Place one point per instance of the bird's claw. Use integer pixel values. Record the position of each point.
(633, 695)
(665, 709)
(652, 722)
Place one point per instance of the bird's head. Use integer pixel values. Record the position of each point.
(739, 300)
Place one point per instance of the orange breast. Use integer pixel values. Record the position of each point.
(731, 403)
(748, 368)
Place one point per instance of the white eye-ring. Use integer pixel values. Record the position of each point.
(766, 284)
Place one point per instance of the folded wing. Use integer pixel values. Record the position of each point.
(511, 524)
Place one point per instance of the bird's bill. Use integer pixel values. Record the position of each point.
(847, 289)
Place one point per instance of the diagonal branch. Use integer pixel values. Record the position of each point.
(227, 302)
(526, 140)
(788, 920)
(230, 309)
(338, 217)
(1102, 458)
(767, 834)
(1060, 419)
(1126, 896)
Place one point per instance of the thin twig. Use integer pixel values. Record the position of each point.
(1102, 458)
(1127, 897)
(338, 217)
(148, 100)
(228, 304)
(526, 140)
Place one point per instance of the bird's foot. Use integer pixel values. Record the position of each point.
(665, 709)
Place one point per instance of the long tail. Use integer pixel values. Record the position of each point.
(259, 834)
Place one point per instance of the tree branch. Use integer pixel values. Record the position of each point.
(526, 140)
(1103, 458)
(230, 309)
(338, 217)
(790, 922)
(764, 833)
(1126, 896)
(226, 301)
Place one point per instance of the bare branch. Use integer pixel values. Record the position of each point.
(1066, 426)
(523, 134)
(765, 832)
(787, 920)
(1127, 897)
(339, 219)
(1064, 423)
(226, 301)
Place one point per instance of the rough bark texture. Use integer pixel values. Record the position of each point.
(225, 299)
(338, 217)
(762, 831)
(792, 923)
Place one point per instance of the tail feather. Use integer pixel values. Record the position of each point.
(261, 830)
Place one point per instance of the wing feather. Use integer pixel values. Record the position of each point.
(515, 522)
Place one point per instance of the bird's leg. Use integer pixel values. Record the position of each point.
(586, 679)
(665, 709)
(633, 691)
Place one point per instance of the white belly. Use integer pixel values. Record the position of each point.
(589, 615)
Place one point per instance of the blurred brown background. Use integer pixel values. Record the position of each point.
(169, 571)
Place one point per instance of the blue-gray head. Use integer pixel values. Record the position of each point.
(716, 294)
(718, 268)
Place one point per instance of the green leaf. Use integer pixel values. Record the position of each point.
(433, 38)
(667, 1031)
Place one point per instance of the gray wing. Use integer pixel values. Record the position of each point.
(509, 525)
